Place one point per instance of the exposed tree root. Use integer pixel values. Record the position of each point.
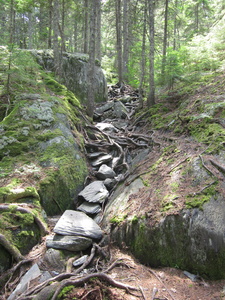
(10, 248)
(38, 221)
(102, 276)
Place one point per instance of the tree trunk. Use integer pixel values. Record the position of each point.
(143, 58)
(11, 23)
(56, 48)
(92, 50)
(119, 40)
(125, 38)
(98, 31)
(175, 26)
(63, 43)
(86, 27)
(164, 41)
(151, 96)
(50, 10)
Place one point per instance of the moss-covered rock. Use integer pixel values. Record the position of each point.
(75, 73)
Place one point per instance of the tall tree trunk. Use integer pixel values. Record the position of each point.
(164, 41)
(143, 57)
(86, 27)
(98, 31)
(92, 51)
(63, 43)
(31, 29)
(175, 26)
(119, 40)
(125, 38)
(50, 11)
(56, 47)
(11, 23)
(151, 95)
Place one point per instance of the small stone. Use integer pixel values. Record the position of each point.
(89, 208)
(105, 172)
(78, 262)
(71, 243)
(101, 160)
(94, 192)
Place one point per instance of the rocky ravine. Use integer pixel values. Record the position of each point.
(122, 192)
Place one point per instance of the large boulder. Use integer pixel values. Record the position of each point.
(38, 147)
(75, 72)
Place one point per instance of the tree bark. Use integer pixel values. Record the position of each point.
(125, 38)
(151, 95)
(92, 50)
(86, 27)
(56, 47)
(50, 10)
(164, 41)
(119, 40)
(143, 57)
(98, 31)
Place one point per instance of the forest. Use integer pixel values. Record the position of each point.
(112, 149)
(150, 45)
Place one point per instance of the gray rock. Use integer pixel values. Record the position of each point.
(53, 260)
(71, 243)
(110, 183)
(101, 160)
(90, 208)
(31, 274)
(78, 262)
(106, 127)
(75, 73)
(120, 110)
(77, 223)
(105, 172)
(95, 154)
(105, 107)
(94, 192)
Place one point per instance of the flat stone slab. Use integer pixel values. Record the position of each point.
(68, 242)
(101, 160)
(105, 172)
(94, 192)
(90, 208)
(77, 223)
(106, 127)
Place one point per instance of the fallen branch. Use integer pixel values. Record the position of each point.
(160, 280)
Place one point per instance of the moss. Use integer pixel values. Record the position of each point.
(205, 196)
(11, 193)
(65, 291)
(116, 220)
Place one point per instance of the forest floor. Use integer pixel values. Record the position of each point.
(151, 284)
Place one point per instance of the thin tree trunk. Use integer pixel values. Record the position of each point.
(98, 25)
(50, 24)
(143, 58)
(63, 45)
(164, 41)
(86, 27)
(151, 96)
(175, 26)
(56, 48)
(92, 50)
(125, 38)
(119, 40)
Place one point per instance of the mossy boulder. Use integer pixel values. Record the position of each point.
(40, 143)
(75, 74)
